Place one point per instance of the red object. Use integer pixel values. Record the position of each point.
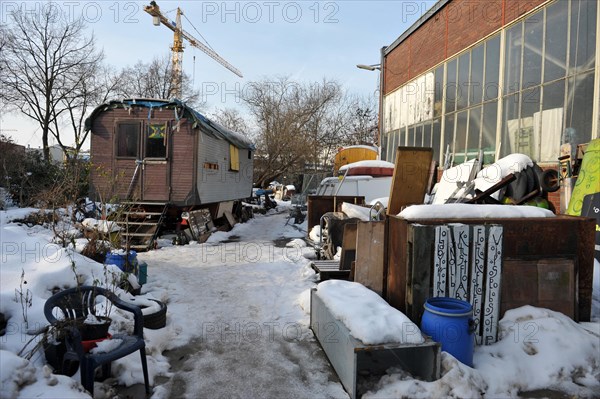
(375, 171)
(91, 344)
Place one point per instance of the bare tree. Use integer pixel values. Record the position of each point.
(47, 60)
(153, 80)
(290, 119)
(232, 119)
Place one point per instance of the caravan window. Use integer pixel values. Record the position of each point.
(127, 139)
(156, 140)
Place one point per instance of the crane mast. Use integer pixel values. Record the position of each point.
(177, 49)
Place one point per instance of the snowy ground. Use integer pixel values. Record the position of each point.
(236, 327)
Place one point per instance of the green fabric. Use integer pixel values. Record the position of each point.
(588, 181)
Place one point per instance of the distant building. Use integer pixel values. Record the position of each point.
(498, 75)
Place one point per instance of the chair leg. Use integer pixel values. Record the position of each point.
(87, 377)
(145, 370)
(106, 370)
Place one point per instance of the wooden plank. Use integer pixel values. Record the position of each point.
(369, 267)
(478, 242)
(348, 246)
(396, 263)
(420, 257)
(411, 174)
(491, 302)
(440, 260)
(483, 195)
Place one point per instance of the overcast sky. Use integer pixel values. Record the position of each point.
(305, 40)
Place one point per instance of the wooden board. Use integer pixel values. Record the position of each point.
(411, 174)
(560, 237)
(369, 265)
(421, 248)
(547, 283)
(348, 246)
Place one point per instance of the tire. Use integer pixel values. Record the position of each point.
(158, 319)
(549, 181)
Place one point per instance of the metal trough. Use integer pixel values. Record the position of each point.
(353, 360)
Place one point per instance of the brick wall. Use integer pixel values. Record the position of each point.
(458, 25)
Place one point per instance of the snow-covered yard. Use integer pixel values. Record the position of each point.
(237, 326)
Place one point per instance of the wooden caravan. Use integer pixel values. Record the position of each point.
(162, 151)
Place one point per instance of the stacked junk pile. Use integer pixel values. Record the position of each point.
(448, 256)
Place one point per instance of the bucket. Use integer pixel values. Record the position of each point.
(449, 321)
(124, 262)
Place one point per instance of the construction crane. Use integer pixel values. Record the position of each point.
(177, 49)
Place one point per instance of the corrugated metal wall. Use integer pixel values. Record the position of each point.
(216, 182)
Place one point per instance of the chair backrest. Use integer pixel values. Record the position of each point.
(75, 302)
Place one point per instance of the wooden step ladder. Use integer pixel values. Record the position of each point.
(140, 223)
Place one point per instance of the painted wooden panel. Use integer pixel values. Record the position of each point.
(478, 251)
(440, 265)
(491, 303)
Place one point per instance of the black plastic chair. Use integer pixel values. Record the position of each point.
(76, 303)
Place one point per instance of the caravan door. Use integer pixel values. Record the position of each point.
(156, 174)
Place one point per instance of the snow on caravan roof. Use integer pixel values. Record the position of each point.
(368, 164)
(180, 109)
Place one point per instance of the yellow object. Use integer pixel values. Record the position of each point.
(588, 181)
(353, 154)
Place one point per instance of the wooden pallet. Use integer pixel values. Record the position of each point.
(330, 269)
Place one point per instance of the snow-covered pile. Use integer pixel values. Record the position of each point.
(369, 317)
(473, 211)
(538, 349)
(490, 175)
(357, 211)
(103, 226)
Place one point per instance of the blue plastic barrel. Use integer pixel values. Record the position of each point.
(449, 321)
(126, 263)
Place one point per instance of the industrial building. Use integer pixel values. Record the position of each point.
(502, 76)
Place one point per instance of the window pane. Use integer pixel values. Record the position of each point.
(419, 136)
(580, 100)
(492, 68)
(474, 132)
(488, 137)
(451, 86)
(554, 95)
(552, 120)
(448, 134)
(476, 83)
(557, 21)
(436, 138)
(439, 91)
(532, 52)
(401, 138)
(462, 95)
(510, 124)
(583, 34)
(512, 71)
(525, 139)
(156, 141)
(411, 136)
(460, 138)
(127, 139)
(427, 135)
